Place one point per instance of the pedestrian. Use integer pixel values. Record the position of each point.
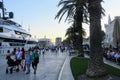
(14, 51)
(23, 53)
(27, 61)
(43, 51)
(18, 56)
(35, 59)
(23, 58)
(8, 54)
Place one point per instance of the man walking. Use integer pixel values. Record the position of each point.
(35, 59)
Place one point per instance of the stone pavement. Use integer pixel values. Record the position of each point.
(52, 66)
(108, 62)
(111, 63)
(66, 73)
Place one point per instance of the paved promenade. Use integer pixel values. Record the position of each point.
(53, 66)
(108, 62)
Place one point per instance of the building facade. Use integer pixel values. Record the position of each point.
(44, 42)
(58, 41)
(109, 30)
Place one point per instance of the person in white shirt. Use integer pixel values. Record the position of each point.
(18, 56)
(117, 57)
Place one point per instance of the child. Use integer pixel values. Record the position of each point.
(27, 61)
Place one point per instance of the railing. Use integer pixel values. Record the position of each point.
(4, 49)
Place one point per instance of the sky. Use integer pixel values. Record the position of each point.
(39, 16)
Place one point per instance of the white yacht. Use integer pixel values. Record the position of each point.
(12, 35)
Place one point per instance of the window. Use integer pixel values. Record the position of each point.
(1, 29)
(6, 30)
(17, 32)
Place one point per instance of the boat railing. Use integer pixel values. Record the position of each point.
(4, 49)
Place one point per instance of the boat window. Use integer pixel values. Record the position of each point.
(22, 35)
(8, 22)
(17, 32)
(31, 42)
(0, 44)
(1, 29)
(6, 30)
(0, 21)
(25, 35)
(16, 44)
(29, 35)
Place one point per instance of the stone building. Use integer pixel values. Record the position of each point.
(109, 30)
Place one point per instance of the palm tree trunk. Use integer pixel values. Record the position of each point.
(96, 65)
(79, 20)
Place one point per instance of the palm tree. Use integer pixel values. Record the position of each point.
(70, 33)
(77, 10)
(96, 67)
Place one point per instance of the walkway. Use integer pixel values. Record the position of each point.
(109, 62)
(53, 66)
